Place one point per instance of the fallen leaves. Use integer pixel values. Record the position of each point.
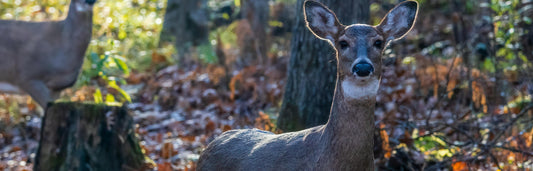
(459, 166)
(182, 111)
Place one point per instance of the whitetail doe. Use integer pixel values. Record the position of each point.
(346, 141)
(43, 58)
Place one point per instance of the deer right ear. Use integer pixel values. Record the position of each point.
(399, 20)
(320, 20)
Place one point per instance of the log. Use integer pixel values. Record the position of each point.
(80, 136)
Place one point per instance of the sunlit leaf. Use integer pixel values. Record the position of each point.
(125, 95)
(98, 98)
(109, 98)
(122, 65)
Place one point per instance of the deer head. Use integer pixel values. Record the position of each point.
(359, 47)
(83, 5)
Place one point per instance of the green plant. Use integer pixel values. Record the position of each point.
(507, 17)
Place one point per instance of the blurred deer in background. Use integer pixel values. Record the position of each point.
(345, 142)
(43, 58)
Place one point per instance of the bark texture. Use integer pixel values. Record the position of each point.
(255, 14)
(186, 25)
(312, 68)
(78, 136)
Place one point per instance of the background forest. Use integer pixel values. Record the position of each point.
(455, 92)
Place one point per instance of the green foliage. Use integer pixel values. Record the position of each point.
(207, 54)
(507, 33)
(227, 34)
(433, 146)
(32, 9)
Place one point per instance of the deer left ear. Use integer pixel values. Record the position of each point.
(321, 21)
(399, 20)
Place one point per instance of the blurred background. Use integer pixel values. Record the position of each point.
(455, 93)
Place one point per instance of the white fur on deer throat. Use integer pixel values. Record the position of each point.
(353, 89)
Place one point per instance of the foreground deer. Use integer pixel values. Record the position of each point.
(346, 141)
(43, 58)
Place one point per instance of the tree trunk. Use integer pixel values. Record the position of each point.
(80, 137)
(255, 14)
(186, 25)
(312, 69)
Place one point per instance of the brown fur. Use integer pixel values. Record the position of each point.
(345, 142)
(43, 58)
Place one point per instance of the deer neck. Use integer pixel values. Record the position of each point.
(79, 20)
(77, 28)
(350, 128)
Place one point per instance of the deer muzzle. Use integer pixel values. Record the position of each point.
(363, 69)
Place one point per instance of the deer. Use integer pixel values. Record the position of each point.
(345, 142)
(43, 58)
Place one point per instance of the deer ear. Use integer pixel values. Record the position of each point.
(320, 20)
(399, 20)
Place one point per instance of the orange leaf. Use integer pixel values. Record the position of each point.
(385, 144)
(226, 128)
(233, 83)
(459, 166)
(158, 58)
(190, 138)
(164, 166)
(209, 127)
(166, 151)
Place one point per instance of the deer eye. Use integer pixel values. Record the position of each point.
(343, 44)
(378, 44)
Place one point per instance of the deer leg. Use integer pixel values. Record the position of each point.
(38, 91)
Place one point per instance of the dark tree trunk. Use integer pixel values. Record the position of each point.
(186, 25)
(312, 69)
(83, 137)
(255, 14)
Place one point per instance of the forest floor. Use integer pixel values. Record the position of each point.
(178, 112)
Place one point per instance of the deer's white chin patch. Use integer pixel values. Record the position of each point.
(356, 89)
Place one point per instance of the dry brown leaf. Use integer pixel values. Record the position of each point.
(158, 58)
(263, 122)
(460, 166)
(385, 144)
(189, 138)
(166, 151)
(165, 166)
(226, 128)
(210, 127)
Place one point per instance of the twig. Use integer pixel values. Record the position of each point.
(514, 150)
(506, 126)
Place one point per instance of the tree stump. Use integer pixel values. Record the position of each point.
(76, 136)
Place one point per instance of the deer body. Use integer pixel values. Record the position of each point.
(43, 58)
(309, 149)
(345, 142)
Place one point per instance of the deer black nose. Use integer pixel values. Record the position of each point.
(363, 69)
